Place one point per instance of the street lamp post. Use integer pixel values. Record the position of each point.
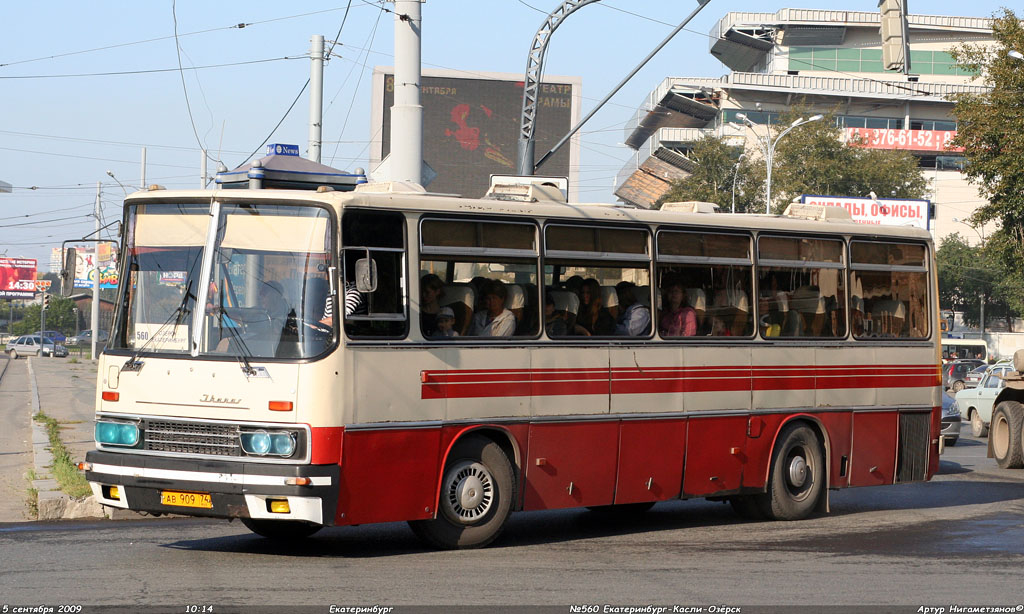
(735, 171)
(768, 145)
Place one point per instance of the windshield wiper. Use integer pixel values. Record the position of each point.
(177, 316)
(246, 353)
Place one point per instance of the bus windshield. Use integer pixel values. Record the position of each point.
(267, 289)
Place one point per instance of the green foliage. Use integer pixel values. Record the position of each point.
(967, 275)
(811, 159)
(991, 125)
(60, 316)
(712, 179)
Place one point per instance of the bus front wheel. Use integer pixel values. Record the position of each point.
(1006, 435)
(797, 475)
(476, 497)
(280, 529)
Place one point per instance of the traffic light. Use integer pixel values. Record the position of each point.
(46, 301)
(894, 43)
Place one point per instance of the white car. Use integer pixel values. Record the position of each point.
(34, 344)
(976, 403)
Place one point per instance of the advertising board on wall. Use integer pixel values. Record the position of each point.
(17, 278)
(471, 126)
(84, 270)
(890, 211)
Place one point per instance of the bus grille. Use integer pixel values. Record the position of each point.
(192, 438)
(914, 445)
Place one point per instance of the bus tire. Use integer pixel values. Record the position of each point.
(797, 475)
(476, 497)
(280, 529)
(1005, 435)
(747, 507)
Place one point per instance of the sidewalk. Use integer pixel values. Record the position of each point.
(15, 440)
(66, 393)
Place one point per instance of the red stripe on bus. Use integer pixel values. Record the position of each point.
(667, 380)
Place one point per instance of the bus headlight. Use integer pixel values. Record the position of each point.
(273, 443)
(257, 443)
(117, 433)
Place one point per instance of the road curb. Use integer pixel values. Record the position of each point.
(52, 503)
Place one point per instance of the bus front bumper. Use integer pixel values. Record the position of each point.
(214, 488)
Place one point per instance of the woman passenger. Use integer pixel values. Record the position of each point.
(678, 318)
(593, 318)
(431, 291)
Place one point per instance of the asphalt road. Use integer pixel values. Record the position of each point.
(956, 540)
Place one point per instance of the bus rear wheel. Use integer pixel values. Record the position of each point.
(476, 497)
(280, 529)
(797, 475)
(1006, 435)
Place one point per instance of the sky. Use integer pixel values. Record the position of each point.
(85, 86)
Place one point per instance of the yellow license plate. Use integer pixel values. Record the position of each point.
(186, 499)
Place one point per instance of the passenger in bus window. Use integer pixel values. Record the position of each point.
(554, 321)
(494, 320)
(678, 319)
(635, 320)
(431, 292)
(593, 318)
(769, 317)
(445, 322)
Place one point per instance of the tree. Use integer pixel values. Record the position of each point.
(969, 275)
(991, 131)
(813, 159)
(712, 178)
(990, 125)
(60, 316)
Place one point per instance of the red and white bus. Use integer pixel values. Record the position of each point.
(307, 359)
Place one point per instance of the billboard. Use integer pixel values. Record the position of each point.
(891, 211)
(17, 278)
(84, 270)
(471, 126)
(909, 140)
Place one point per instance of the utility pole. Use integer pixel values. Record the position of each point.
(202, 170)
(96, 275)
(316, 96)
(407, 113)
(142, 180)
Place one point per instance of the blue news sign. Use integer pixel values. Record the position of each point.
(279, 149)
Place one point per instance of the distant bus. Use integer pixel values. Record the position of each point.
(955, 349)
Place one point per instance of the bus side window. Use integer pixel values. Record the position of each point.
(378, 239)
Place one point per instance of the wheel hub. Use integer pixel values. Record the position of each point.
(469, 493)
(797, 471)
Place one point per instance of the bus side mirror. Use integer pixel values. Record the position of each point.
(366, 275)
(67, 274)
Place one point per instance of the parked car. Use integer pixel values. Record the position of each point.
(955, 372)
(974, 377)
(976, 403)
(85, 338)
(56, 335)
(34, 344)
(951, 420)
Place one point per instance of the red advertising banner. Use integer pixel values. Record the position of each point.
(910, 140)
(17, 278)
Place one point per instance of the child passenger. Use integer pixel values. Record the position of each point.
(446, 323)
